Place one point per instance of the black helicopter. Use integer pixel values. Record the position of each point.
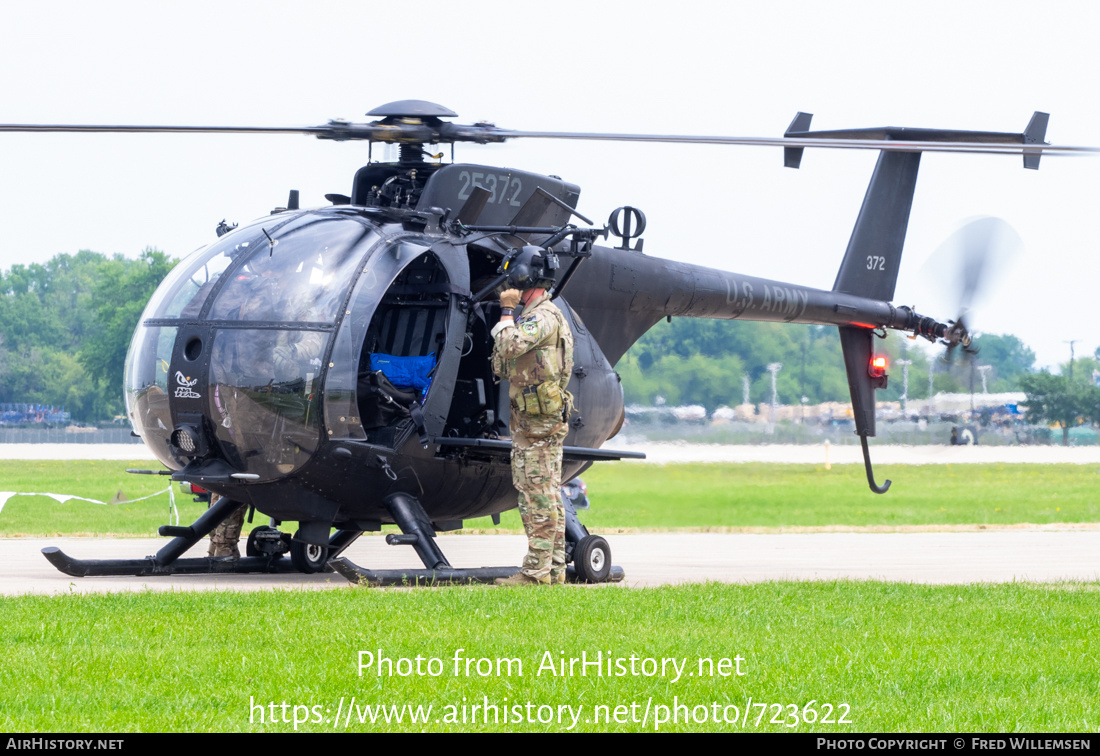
(330, 366)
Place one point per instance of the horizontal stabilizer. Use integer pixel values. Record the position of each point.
(1029, 143)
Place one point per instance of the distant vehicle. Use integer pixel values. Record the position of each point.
(966, 435)
(33, 414)
(200, 494)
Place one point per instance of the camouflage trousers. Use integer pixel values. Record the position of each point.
(225, 538)
(536, 474)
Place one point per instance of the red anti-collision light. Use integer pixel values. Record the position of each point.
(877, 368)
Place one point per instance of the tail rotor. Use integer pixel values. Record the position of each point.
(978, 252)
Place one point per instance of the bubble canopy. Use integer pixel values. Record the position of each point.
(234, 340)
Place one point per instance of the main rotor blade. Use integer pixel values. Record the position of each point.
(84, 128)
(484, 133)
(840, 144)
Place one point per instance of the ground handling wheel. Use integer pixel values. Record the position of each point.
(592, 559)
(267, 541)
(308, 557)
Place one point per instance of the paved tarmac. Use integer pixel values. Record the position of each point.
(993, 555)
(1041, 554)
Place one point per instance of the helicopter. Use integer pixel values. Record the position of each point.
(330, 366)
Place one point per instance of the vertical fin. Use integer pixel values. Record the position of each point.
(858, 348)
(870, 265)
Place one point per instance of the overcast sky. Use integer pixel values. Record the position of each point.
(730, 68)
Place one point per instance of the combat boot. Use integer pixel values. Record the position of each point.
(520, 579)
(224, 550)
(225, 538)
(558, 579)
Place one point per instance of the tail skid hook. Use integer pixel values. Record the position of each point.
(870, 473)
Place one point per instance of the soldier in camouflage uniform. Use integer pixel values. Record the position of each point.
(225, 538)
(535, 355)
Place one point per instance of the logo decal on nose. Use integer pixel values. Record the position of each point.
(184, 388)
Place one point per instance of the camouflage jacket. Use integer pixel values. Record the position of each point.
(536, 349)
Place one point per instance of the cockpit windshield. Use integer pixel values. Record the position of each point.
(254, 313)
(309, 259)
(298, 275)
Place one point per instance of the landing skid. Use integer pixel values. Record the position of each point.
(417, 531)
(356, 574)
(167, 561)
(149, 567)
(590, 554)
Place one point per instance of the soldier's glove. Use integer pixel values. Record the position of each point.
(510, 298)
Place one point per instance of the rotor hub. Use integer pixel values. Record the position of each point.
(412, 109)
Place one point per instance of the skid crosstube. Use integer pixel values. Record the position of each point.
(417, 531)
(356, 574)
(167, 560)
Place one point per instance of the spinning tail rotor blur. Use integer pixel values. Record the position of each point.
(965, 267)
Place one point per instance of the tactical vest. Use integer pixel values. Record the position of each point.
(538, 377)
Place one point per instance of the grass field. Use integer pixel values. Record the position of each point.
(634, 496)
(99, 480)
(699, 496)
(885, 658)
(880, 657)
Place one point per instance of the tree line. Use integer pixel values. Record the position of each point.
(1066, 400)
(65, 327)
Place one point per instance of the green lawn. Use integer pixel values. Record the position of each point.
(700, 496)
(884, 657)
(880, 657)
(638, 496)
(99, 480)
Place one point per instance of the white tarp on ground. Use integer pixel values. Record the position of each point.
(62, 498)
